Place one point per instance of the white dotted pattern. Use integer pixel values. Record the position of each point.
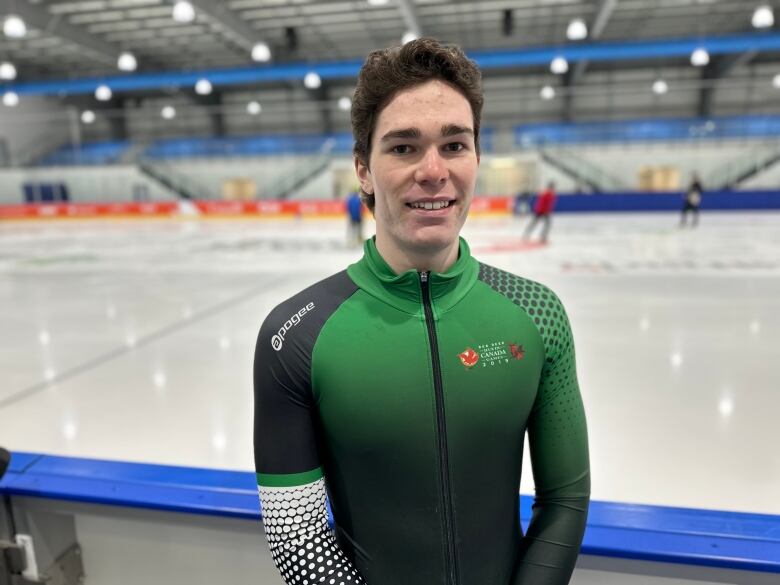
(302, 546)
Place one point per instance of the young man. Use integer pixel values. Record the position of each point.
(405, 384)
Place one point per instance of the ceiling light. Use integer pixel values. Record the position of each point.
(103, 93)
(577, 30)
(261, 52)
(763, 17)
(345, 103)
(409, 37)
(547, 92)
(559, 66)
(7, 71)
(88, 116)
(660, 87)
(312, 80)
(203, 87)
(254, 108)
(10, 99)
(377, 2)
(127, 62)
(14, 27)
(776, 81)
(700, 57)
(183, 12)
(168, 112)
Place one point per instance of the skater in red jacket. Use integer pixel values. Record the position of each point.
(543, 209)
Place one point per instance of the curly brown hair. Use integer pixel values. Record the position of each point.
(388, 71)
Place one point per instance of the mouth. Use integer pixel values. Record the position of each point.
(431, 205)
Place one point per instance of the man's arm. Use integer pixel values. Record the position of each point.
(558, 442)
(289, 476)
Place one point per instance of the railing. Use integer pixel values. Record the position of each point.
(284, 185)
(732, 174)
(179, 183)
(34, 153)
(583, 171)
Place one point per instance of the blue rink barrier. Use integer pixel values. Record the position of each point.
(708, 538)
(644, 201)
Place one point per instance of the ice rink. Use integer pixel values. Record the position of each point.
(133, 340)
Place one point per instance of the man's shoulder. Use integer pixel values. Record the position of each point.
(498, 277)
(309, 309)
(521, 290)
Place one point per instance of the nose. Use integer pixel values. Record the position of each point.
(432, 169)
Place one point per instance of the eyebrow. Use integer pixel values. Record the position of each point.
(405, 133)
(447, 130)
(453, 130)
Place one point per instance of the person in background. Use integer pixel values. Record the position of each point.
(355, 218)
(692, 202)
(522, 203)
(543, 209)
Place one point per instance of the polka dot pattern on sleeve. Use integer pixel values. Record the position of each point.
(302, 546)
(558, 383)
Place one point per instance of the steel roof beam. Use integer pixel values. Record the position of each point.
(409, 13)
(603, 14)
(719, 68)
(36, 16)
(616, 52)
(246, 36)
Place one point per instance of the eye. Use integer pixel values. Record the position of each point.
(455, 147)
(402, 149)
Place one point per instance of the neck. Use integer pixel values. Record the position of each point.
(401, 259)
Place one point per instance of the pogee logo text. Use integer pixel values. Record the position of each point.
(278, 339)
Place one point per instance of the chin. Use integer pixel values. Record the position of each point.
(434, 237)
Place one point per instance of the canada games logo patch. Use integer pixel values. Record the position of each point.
(469, 358)
(492, 354)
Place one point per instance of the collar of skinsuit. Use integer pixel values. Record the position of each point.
(404, 291)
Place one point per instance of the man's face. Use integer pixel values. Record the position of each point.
(423, 167)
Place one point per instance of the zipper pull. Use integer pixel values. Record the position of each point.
(424, 276)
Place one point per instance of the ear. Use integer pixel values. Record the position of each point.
(364, 176)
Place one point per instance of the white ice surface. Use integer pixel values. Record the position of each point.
(134, 340)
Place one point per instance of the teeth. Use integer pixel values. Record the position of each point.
(428, 205)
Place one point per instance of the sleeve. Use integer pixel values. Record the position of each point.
(289, 477)
(558, 442)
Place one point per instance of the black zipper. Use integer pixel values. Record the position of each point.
(444, 466)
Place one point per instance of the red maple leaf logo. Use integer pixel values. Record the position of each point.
(517, 351)
(469, 358)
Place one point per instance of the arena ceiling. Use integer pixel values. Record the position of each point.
(69, 39)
